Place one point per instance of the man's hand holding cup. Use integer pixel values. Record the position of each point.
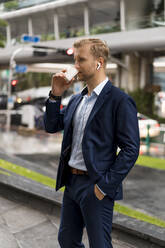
(62, 81)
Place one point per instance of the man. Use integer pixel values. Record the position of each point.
(96, 122)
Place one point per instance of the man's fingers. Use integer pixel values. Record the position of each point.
(60, 78)
(59, 74)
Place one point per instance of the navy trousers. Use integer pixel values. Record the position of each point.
(80, 209)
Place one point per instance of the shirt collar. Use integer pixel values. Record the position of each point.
(97, 89)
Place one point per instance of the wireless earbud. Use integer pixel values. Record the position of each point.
(98, 66)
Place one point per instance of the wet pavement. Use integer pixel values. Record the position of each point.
(144, 190)
(154, 149)
(30, 143)
(144, 187)
(23, 226)
(28, 222)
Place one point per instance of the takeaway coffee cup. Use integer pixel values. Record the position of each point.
(70, 73)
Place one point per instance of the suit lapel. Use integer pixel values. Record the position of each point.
(73, 108)
(99, 102)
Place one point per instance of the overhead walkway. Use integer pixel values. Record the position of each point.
(60, 19)
(137, 49)
(143, 40)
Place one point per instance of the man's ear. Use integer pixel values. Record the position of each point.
(98, 66)
(101, 61)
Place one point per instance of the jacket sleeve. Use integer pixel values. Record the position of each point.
(53, 117)
(127, 139)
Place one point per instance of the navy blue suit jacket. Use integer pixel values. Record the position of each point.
(112, 123)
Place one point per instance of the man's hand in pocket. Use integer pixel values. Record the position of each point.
(98, 193)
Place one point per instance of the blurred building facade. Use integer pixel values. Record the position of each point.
(125, 23)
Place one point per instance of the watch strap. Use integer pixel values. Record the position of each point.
(57, 98)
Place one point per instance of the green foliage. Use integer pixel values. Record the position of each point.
(2, 38)
(77, 33)
(159, 119)
(3, 24)
(160, 7)
(62, 35)
(144, 101)
(139, 215)
(45, 37)
(1, 43)
(155, 163)
(32, 79)
(80, 33)
(32, 175)
(11, 5)
(104, 29)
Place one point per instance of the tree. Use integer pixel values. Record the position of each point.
(160, 7)
(3, 24)
(32, 79)
(144, 99)
(11, 5)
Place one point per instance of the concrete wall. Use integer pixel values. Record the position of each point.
(136, 13)
(138, 73)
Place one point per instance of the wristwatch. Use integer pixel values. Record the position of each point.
(53, 96)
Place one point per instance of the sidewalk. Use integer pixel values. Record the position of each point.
(36, 204)
(24, 223)
(144, 188)
(143, 191)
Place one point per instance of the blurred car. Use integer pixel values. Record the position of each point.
(160, 104)
(28, 115)
(144, 123)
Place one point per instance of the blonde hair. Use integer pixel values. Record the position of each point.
(98, 48)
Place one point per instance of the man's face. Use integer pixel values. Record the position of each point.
(85, 63)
